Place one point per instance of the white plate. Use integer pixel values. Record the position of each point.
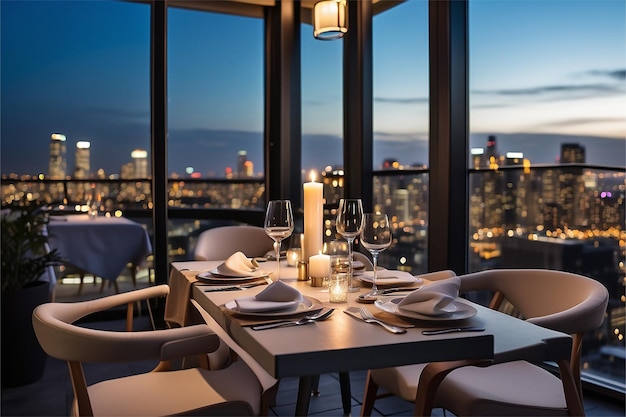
(390, 277)
(307, 305)
(215, 276)
(461, 311)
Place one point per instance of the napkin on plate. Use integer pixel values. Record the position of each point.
(434, 298)
(238, 265)
(276, 296)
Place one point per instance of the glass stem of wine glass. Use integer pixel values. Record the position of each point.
(277, 251)
(350, 267)
(375, 263)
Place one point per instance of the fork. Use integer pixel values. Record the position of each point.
(369, 318)
(304, 320)
(236, 287)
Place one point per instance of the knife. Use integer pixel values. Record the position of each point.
(452, 330)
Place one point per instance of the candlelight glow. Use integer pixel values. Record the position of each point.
(313, 176)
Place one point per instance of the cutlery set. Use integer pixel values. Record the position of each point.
(362, 314)
(304, 320)
(235, 287)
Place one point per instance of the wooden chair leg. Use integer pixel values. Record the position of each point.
(371, 390)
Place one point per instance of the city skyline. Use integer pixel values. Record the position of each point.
(529, 87)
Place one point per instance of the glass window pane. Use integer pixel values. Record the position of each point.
(64, 71)
(401, 130)
(322, 111)
(215, 95)
(400, 52)
(547, 179)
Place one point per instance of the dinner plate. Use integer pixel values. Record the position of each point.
(215, 276)
(307, 305)
(390, 277)
(461, 311)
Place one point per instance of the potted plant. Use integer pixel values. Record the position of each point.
(25, 257)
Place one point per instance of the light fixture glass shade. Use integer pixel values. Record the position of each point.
(330, 19)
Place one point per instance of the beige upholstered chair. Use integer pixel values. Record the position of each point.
(167, 390)
(220, 242)
(562, 301)
(358, 256)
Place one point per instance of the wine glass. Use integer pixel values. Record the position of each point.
(375, 237)
(349, 225)
(278, 225)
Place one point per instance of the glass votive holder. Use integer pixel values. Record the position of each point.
(338, 288)
(293, 256)
(294, 252)
(339, 259)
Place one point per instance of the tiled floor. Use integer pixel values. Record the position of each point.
(52, 395)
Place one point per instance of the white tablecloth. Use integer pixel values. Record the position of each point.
(102, 246)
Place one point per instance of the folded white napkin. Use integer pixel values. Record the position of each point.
(276, 296)
(434, 298)
(238, 265)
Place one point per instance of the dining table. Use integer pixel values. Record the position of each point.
(101, 245)
(342, 343)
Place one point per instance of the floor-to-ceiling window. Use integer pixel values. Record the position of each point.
(215, 117)
(547, 183)
(401, 130)
(322, 112)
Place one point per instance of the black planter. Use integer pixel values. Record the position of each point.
(23, 360)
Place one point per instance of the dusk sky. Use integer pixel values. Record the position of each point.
(541, 72)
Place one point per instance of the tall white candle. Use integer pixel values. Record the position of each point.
(319, 266)
(313, 218)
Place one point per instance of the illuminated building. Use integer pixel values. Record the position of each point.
(242, 158)
(82, 168)
(140, 163)
(57, 164)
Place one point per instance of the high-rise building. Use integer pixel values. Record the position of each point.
(242, 158)
(140, 163)
(492, 148)
(82, 168)
(57, 164)
(572, 153)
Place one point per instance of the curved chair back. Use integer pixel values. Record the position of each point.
(61, 339)
(232, 390)
(558, 300)
(220, 242)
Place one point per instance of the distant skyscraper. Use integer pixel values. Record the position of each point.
(57, 165)
(492, 148)
(140, 163)
(242, 158)
(82, 168)
(572, 153)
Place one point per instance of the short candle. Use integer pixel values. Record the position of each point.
(319, 266)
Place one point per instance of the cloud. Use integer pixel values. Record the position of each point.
(583, 121)
(408, 100)
(561, 91)
(618, 75)
(585, 89)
